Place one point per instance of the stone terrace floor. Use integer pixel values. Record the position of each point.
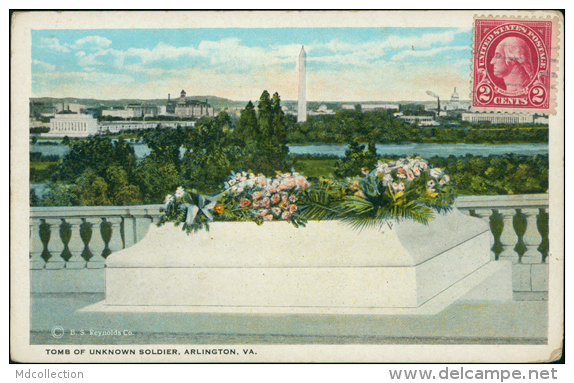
(516, 322)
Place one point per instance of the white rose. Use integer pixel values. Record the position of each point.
(179, 192)
(435, 173)
(168, 199)
(445, 179)
(387, 180)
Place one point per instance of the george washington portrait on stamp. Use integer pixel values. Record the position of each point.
(513, 63)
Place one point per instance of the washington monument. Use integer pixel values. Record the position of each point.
(302, 99)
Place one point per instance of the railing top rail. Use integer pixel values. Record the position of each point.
(98, 211)
(503, 201)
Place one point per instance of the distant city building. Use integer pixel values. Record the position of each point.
(371, 107)
(378, 107)
(123, 113)
(321, 111)
(72, 125)
(454, 100)
(499, 118)
(455, 104)
(119, 126)
(68, 107)
(422, 120)
(192, 108)
(41, 108)
(541, 120)
(302, 94)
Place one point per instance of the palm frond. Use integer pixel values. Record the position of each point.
(319, 205)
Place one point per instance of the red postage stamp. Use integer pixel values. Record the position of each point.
(514, 65)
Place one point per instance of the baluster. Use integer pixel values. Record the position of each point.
(55, 245)
(129, 231)
(142, 226)
(96, 244)
(115, 243)
(75, 245)
(532, 237)
(36, 245)
(508, 237)
(485, 214)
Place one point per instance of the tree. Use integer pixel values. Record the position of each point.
(247, 129)
(223, 121)
(265, 117)
(278, 124)
(98, 171)
(165, 144)
(356, 158)
(98, 154)
(270, 153)
(210, 157)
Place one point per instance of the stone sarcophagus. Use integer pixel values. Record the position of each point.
(326, 267)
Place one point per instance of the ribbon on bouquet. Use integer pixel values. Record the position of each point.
(192, 210)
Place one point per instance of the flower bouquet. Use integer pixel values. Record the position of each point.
(407, 188)
(246, 197)
(404, 189)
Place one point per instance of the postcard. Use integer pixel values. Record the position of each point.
(287, 186)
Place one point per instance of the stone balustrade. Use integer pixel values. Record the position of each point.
(80, 237)
(519, 224)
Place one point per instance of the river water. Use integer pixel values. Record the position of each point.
(410, 149)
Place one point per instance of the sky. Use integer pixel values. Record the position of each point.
(343, 64)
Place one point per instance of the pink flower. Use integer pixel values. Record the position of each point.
(401, 173)
(282, 186)
(257, 205)
(293, 209)
(286, 215)
(292, 198)
(302, 182)
(268, 217)
(285, 205)
(256, 195)
(263, 213)
(276, 211)
(275, 198)
(273, 189)
(290, 182)
(265, 202)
